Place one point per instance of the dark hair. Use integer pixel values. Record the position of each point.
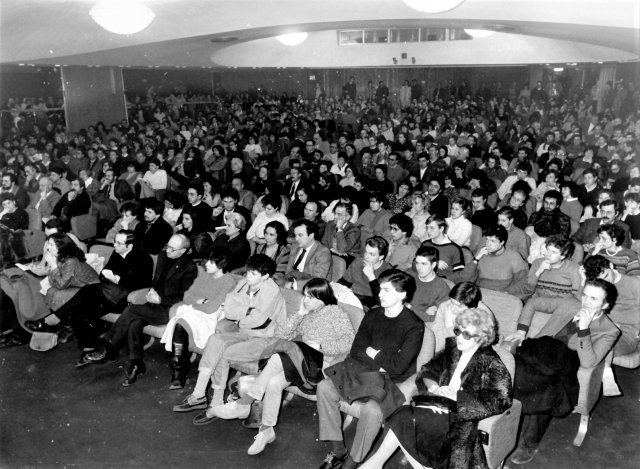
(281, 231)
(272, 199)
(153, 204)
(479, 193)
(564, 244)
(230, 192)
(347, 207)
(130, 234)
(467, 293)
(610, 291)
(507, 212)
(497, 231)
(591, 171)
(197, 186)
(55, 224)
(378, 197)
(594, 266)
(437, 179)
(381, 244)
(553, 194)
(431, 253)
(404, 223)
(464, 203)
(572, 186)
(122, 190)
(321, 289)
(67, 249)
(262, 264)
(616, 233)
(221, 256)
(401, 281)
(310, 226)
(609, 202)
(524, 166)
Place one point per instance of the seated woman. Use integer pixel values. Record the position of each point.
(190, 226)
(419, 213)
(440, 427)
(310, 341)
(132, 175)
(271, 203)
(195, 319)
(276, 247)
(127, 221)
(609, 245)
(458, 227)
(153, 180)
(463, 296)
(68, 272)
(233, 239)
(400, 202)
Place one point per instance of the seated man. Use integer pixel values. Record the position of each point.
(154, 232)
(483, 215)
(375, 220)
(388, 341)
(451, 257)
(202, 211)
(174, 274)
(402, 247)
(625, 314)
(309, 258)
(12, 216)
(498, 268)
(362, 275)
(230, 198)
(518, 241)
(47, 198)
(555, 274)
(431, 290)
(576, 334)
(73, 203)
(551, 211)
(341, 236)
(255, 306)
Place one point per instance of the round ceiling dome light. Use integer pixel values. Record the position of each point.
(122, 16)
(292, 39)
(433, 6)
(479, 33)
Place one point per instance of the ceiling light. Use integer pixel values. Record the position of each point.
(433, 6)
(479, 33)
(292, 39)
(122, 16)
(558, 69)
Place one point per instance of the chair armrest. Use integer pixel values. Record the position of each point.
(502, 433)
(590, 380)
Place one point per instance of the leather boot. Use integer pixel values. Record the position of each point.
(255, 417)
(179, 364)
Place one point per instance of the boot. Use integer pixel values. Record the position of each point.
(179, 367)
(255, 417)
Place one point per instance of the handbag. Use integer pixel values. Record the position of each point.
(43, 341)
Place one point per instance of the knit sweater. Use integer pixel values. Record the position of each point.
(214, 290)
(428, 294)
(626, 311)
(624, 261)
(505, 272)
(560, 282)
(459, 230)
(329, 326)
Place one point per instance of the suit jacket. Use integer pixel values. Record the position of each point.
(154, 239)
(317, 264)
(588, 231)
(177, 281)
(592, 346)
(135, 271)
(347, 240)
(46, 206)
(67, 209)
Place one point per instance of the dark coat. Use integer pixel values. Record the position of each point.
(135, 271)
(178, 280)
(154, 239)
(485, 391)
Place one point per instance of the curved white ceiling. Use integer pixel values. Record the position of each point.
(61, 31)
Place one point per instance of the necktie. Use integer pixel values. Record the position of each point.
(292, 193)
(299, 259)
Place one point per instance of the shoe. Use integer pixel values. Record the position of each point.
(331, 461)
(255, 417)
(100, 356)
(231, 410)
(523, 455)
(137, 368)
(179, 371)
(66, 334)
(204, 418)
(191, 403)
(83, 360)
(40, 326)
(262, 439)
(13, 340)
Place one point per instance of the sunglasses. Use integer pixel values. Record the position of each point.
(465, 335)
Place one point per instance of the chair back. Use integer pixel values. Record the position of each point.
(35, 220)
(84, 226)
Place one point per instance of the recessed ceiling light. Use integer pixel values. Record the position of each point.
(122, 16)
(292, 39)
(433, 6)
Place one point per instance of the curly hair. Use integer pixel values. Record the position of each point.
(482, 320)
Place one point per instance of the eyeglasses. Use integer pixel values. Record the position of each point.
(172, 249)
(118, 243)
(465, 335)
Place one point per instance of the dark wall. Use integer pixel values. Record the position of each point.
(139, 81)
(20, 82)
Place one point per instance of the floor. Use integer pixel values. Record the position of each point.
(54, 416)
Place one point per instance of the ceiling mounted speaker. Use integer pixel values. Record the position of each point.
(122, 16)
(433, 6)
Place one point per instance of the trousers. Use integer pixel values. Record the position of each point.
(330, 420)
(128, 328)
(268, 388)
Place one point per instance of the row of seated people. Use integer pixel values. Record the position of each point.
(258, 319)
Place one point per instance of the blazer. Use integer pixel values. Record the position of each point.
(135, 271)
(46, 206)
(178, 280)
(317, 264)
(153, 240)
(347, 240)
